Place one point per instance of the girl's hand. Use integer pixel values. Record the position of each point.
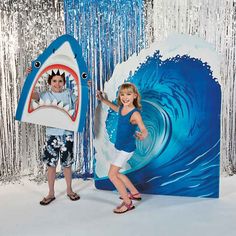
(103, 99)
(140, 135)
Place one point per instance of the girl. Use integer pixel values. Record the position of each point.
(128, 119)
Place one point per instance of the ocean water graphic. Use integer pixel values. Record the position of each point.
(181, 108)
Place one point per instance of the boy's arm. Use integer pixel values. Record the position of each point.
(35, 95)
(106, 101)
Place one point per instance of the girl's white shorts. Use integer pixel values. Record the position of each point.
(121, 158)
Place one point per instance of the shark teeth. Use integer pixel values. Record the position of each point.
(41, 102)
(71, 112)
(66, 108)
(35, 104)
(60, 104)
(54, 103)
(48, 102)
(53, 71)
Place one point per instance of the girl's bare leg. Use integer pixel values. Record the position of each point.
(128, 184)
(113, 176)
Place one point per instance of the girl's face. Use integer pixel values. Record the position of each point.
(127, 97)
(57, 84)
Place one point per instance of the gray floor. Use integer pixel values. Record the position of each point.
(20, 213)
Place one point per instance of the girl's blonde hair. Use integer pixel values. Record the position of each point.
(132, 88)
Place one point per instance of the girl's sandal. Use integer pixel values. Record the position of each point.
(133, 197)
(129, 207)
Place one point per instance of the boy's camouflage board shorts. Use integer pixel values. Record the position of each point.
(58, 147)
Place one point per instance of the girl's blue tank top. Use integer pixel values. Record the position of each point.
(125, 135)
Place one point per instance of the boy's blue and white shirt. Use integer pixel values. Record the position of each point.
(67, 98)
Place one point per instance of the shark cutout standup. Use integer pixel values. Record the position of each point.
(62, 57)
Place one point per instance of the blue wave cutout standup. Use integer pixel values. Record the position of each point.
(63, 54)
(181, 107)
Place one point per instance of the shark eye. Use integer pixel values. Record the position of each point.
(37, 64)
(84, 75)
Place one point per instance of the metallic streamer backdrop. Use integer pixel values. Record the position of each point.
(109, 31)
(27, 27)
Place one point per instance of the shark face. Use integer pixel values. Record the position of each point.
(41, 80)
(62, 57)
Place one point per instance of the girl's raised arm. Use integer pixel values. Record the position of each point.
(100, 97)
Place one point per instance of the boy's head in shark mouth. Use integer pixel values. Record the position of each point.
(57, 81)
(54, 74)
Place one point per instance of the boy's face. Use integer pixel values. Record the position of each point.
(57, 84)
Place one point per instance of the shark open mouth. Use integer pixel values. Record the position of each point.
(71, 78)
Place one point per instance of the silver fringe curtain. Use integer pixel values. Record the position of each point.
(26, 28)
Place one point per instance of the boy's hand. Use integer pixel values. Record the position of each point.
(99, 95)
(28, 69)
(89, 83)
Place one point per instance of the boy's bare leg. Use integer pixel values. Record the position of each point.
(51, 181)
(70, 193)
(68, 177)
